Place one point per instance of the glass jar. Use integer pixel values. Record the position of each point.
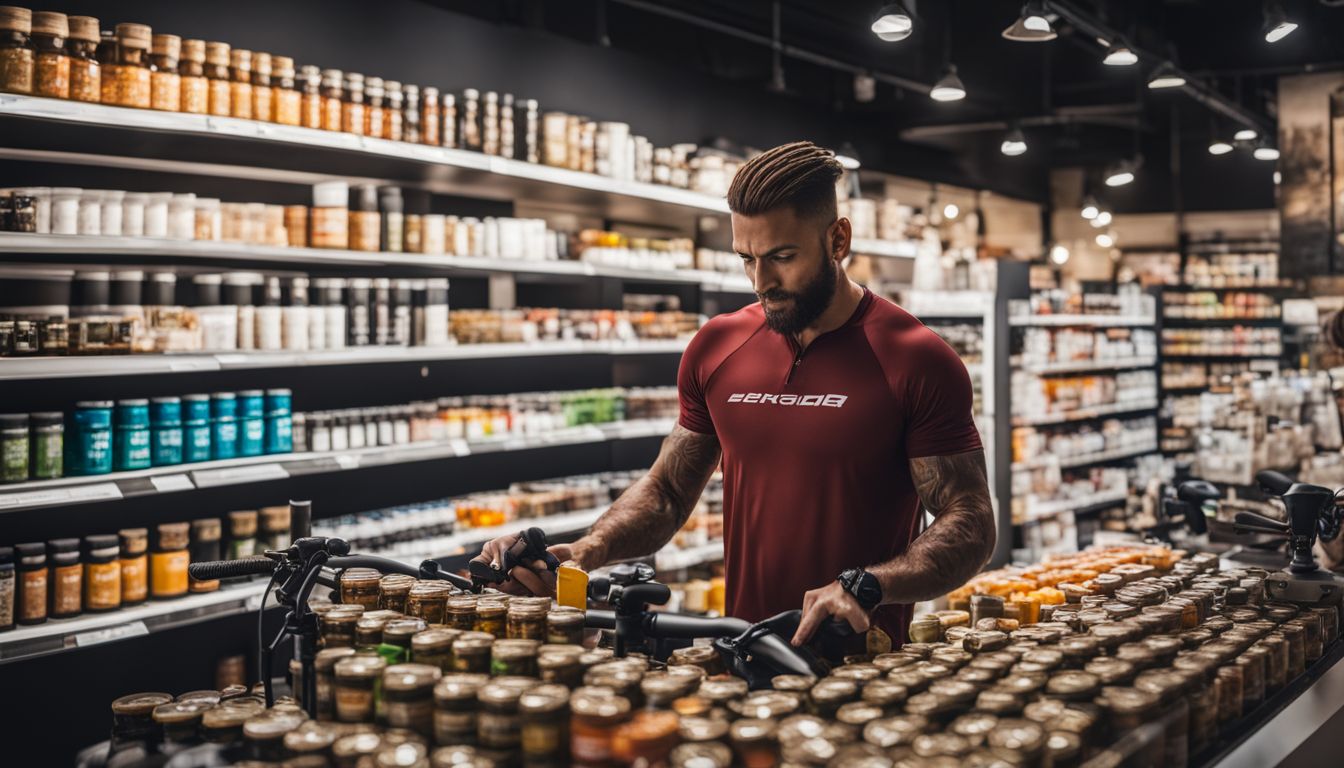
(31, 584)
(125, 82)
(352, 108)
(491, 615)
(217, 56)
(196, 432)
(165, 424)
(51, 68)
(168, 561)
(408, 697)
(16, 50)
(66, 578)
(14, 447)
(497, 721)
(514, 657)
(102, 573)
(359, 586)
(288, 100)
(471, 652)
(365, 222)
(561, 668)
(455, 708)
(393, 589)
(134, 564)
(434, 647)
(369, 630)
(195, 96)
(427, 599)
(205, 538)
(330, 217)
(240, 84)
(469, 133)
(431, 117)
(357, 688)
(460, 612)
(333, 97)
(448, 124)
(543, 714)
(392, 113)
(131, 448)
(564, 624)
(85, 76)
(223, 425)
(411, 113)
(396, 639)
(263, 92)
(165, 84)
(324, 672)
(373, 111)
(704, 657)
(595, 716)
(529, 622)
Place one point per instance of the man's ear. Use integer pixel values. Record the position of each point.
(838, 237)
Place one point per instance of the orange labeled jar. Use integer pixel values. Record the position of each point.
(352, 109)
(205, 538)
(330, 217)
(333, 97)
(240, 85)
(392, 118)
(126, 78)
(16, 49)
(169, 560)
(195, 97)
(102, 573)
(217, 73)
(85, 72)
(263, 93)
(165, 84)
(33, 588)
(134, 565)
(595, 716)
(66, 579)
(286, 95)
(51, 70)
(310, 97)
(374, 111)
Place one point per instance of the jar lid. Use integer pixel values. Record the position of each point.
(101, 543)
(133, 541)
(360, 576)
(249, 393)
(261, 63)
(140, 704)
(326, 658)
(133, 402)
(311, 737)
(181, 712)
(167, 45)
(356, 744)
(599, 702)
(361, 665)
(173, 535)
(93, 404)
(51, 23)
(410, 677)
(514, 648)
(284, 66)
(271, 724)
(57, 546)
(217, 53)
(402, 629)
(16, 19)
(193, 50)
(544, 699)
(436, 639)
(134, 35)
(84, 28)
(240, 58)
(206, 529)
(331, 194)
(34, 552)
(13, 421)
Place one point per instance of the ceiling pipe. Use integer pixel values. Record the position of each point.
(1126, 116)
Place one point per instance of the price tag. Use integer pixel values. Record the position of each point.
(108, 634)
(207, 478)
(169, 483)
(95, 492)
(515, 444)
(459, 447)
(347, 460)
(253, 602)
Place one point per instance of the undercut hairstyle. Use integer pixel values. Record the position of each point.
(800, 175)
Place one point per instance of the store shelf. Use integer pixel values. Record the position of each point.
(1085, 413)
(672, 560)
(57, 635)
(1217, 358)
(469, 541)
(153, 140)
(1085, 459)
(210, 474)
(17, 368)
(938, 306)
(1220, 322)
(1097, 321)
(1079, 505)
(896, 249)
(1087, 366)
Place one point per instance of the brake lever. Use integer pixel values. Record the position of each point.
(530, 547)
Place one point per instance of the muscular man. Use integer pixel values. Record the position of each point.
(835, 414)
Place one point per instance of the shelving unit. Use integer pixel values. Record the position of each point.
(1094, 321)
(1087, 414)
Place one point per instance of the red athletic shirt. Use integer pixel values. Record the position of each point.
(815, 445)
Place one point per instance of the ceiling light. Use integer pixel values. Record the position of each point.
(1102, 219)
(1059, 254)
(1219, 147)
(1014, 143)
(1245, 134)
(1266, 152)
(1119, 55)
(1166, 76)
(1105, 239)
(1032, 26)
(1120, 174)
(1277, 25)
(893, 23)
(1090, 208)
(949, 88)
(1278, 177)
(950, 211)
(848, 157)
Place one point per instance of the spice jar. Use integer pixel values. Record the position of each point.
(263, 94)
(359, 586)
(134, 565)
(373, 111)
(32, 583)
(369, 630)
(595, 715)
(102, 573)
(357, 687)
(434, 647)
(426, 600)
(352, 107)
(165, 424)
(497, 722)
(169, 560)
(408, 697)
(7, 588)
(66, 578)
(324, 673)
(333, 98)
(411, 114)
(14, 447)
(564, 625)
(491, 616)
(223, 425)
(396, 640)
(471, 652)
(455, 708)
(165, 84)
(449, 121)
(219, 78)
(514, 657)
(85, 79)
(125, 81)
(205, 536)
(16, 50)
(529, 622)
(544, 717)
(196, 437)
(469, 132)
(195, 87)
(289, 107)
(330, 218)
(364, 219)
(240, 83)
(393, 589)
(51, 69)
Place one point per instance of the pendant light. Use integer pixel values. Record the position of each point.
(949, 87)
(1166, 76)
(1032, 26)
(1014, 142)
(1277, 24)
(893, 23)
(1120, 55)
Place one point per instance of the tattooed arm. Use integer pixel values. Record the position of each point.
(952, 550)
(639, 523)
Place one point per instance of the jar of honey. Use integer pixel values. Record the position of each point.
(195, 97)
(102, 573)
(168, 561)
(86, 83)
(165, 84)
(219, 78)
(126, 80)
(134, 562)
(240, 83)
(66, 578)
(263, 91)
(51, 72)
(288, 103)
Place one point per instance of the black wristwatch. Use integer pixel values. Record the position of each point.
(863, 586)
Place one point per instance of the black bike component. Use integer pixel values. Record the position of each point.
(530, 547)
(230, 569)
(1306, 505)
(1185, 507)
(1273, 483)
(1245, 519)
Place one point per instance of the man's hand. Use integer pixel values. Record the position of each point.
(532, 578)
(831, 601)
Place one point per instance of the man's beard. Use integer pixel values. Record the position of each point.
(807, 304)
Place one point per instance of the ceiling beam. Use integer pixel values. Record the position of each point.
(1127, 115)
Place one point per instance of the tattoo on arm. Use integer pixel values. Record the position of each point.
(958, 543)
(651, 511)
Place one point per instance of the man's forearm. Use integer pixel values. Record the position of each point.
(961, 539)
(651, 511)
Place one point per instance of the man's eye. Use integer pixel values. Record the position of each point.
(746, 259)
(783, 256)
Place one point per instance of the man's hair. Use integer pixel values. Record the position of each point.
(800, 175)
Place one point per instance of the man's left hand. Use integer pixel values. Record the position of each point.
(831, 601)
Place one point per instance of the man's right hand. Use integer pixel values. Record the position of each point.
(532, 578)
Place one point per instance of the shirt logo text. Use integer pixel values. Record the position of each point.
(814, 401)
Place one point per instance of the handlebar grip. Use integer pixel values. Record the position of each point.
(1274, 483)
(229, 569)
(1254, 520)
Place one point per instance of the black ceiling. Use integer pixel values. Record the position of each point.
(1219, 41)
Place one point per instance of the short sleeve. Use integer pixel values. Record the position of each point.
(691, 388)
(939, 404)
